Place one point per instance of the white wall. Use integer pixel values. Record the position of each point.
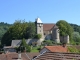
(43, 50)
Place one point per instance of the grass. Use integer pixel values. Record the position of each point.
(36, 49)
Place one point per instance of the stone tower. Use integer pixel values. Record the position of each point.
(55, 34)
(39, 27)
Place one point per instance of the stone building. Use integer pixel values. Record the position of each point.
(49, 31)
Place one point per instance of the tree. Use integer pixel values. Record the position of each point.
(24, 46)
(16, 31)
(65, 28)
(19, 30)
(76, 38)
(30, 30)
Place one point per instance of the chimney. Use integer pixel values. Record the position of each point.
(64, 45)
(19, 55)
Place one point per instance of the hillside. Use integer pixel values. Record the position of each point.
(3, 28)
(76, 27)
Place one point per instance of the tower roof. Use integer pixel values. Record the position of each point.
(38, 20)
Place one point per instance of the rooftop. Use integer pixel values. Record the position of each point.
(58, 56)
(38, 20)
(56, 48)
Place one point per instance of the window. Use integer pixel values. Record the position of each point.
(44, 33)
(40, 30)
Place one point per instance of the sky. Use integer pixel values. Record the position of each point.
(49, 11)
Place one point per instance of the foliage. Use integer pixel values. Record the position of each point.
(3, 28)
(19, 30)
(37, 36)
(73, 49)
(47, 42)
(65, 28)
(76, 38)
(76, 27)
(36, 49)
(24, 47)
(30, 30)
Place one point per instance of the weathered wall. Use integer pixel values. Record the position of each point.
(64, 39)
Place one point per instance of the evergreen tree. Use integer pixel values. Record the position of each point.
(24, 46)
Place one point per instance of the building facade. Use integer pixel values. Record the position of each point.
(49, 31)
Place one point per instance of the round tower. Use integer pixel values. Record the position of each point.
(67, 38)
(39, 26)
(55, 34)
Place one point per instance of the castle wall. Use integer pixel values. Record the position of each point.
(47, 35)
(64, 39)
(55, 35)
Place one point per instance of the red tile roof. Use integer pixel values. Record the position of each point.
(56, 48)
(48, 26)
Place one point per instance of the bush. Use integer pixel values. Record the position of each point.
(24, 47)
(47, 42)
(73, 50)
(38, 36)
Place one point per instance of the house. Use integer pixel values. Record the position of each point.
(58, 56)
(54, 49)
(8, 49)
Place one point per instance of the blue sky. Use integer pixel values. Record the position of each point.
(49, 11)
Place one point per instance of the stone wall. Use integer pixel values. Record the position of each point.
(64, 39)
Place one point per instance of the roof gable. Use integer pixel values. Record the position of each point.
(57, 48)
(47, 27)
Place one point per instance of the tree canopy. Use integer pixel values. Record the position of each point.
(3, 28)
(65, 28)
(19, 30)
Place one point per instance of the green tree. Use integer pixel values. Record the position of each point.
(24, 46)
(76, 38)
(16, 31)
(65, 28)
(30, 30)
(20, 29)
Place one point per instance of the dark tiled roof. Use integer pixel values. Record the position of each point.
(13, 56)
(58, 56)
(47, 27)
(31, 55)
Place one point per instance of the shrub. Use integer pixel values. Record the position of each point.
(24, 47)
(73, 50)
(38, 36)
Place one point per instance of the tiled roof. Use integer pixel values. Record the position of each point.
(57, 48)
(58, 56)
(47, 27)
(31, 55)
(13, 56)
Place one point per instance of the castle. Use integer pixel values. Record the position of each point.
(49, 31)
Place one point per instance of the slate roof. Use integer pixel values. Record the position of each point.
(15, 43)
(47, 27)
(56, 48)
(58, 56)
